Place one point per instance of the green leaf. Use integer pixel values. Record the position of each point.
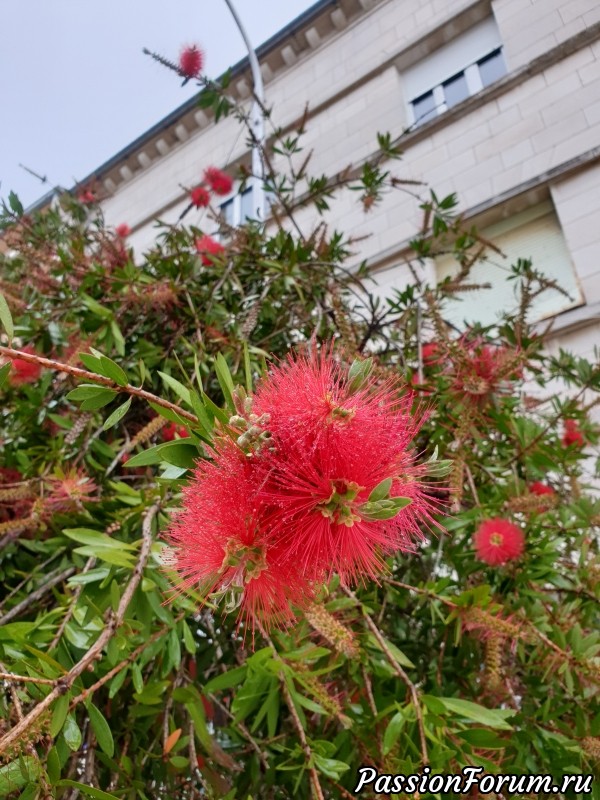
(6, 317)
(96, 308)
(91, 396)
(169, 414)
(59, 714)
(214, 409)
(188, 639)
(137, 678)
(145, 458)
(204, 420)
(359, 372)
(226, 680)
(102, 730)
(113, 371)
(53, 765)
(12, 777)
(179, 453)
(439, 469)
(96, 538)
(174, 649)
(392, 732)
(117, 415)
(15, 204)
(91, 362)
(403, 660)
(330, 767)
(87, 391)
(90, 791)
(72, 733)
(178, 387)
(381, 491)
(118, 337)
(116, 557)
(247, 368)
(483, 738)
(4, 372)
(493, 718)
(383, 509)
(225, 380)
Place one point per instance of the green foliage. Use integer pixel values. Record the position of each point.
(131, 688)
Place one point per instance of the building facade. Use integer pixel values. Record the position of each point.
(497, 101)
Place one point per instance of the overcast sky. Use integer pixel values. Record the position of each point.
(76, 87)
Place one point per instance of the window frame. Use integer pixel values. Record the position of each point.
(474, 83)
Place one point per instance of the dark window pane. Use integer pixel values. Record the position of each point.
(424, 108)
(455, 90)
(247, 211)
(492, 67)
(227, 211)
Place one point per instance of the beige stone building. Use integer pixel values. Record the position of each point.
(496, 100)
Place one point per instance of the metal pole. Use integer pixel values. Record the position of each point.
(256, 120)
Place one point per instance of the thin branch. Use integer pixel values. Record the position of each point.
(314, 775)
(12, 678)
(121, 665)
(36, 595)
(71, 610)
(243, 730)
(424, 592)
(83, 374)
(28, 577)
(414, 692)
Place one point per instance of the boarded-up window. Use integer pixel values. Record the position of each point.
(534, 234)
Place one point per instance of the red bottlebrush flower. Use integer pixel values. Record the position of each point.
(200, 197)
(220, 182)
(123, 230)
(191, 61)
(431, 353)
(572, 434)
(222, 540)
(331, 445)
(539, 488)
(498, 541)
(24, 371)
(172, 431)
(86, 197)
(480, 369)
(67, 490)
(208, 247)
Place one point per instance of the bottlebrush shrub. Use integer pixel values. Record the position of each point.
(356, 640)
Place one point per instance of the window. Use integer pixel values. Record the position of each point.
(455, 90)
(238, 208)
(424, 108)
(492, 67)
(458, 70)
(533, 234)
